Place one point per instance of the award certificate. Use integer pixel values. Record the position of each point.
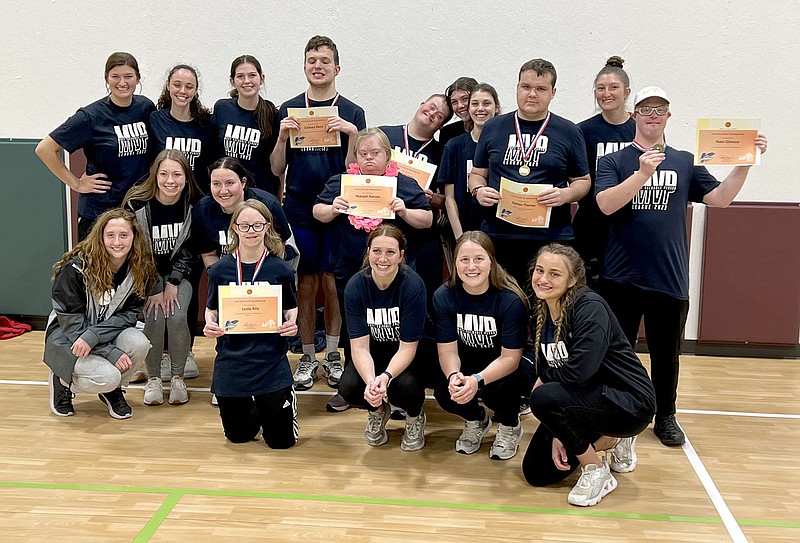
(519, 204)
(369, 195)
(250, 309)
(418, 170)
(728, 142)
(312, 131)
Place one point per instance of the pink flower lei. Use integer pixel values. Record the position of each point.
(368, 224)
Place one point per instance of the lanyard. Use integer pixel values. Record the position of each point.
(526, 154)
(308, 102)
(405, 141)
(255, 272)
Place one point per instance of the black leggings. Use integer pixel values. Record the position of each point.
(406, 390)
(577, 417)
(275, 412)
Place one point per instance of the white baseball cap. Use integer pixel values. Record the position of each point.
(649, 92)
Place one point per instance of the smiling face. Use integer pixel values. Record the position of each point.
(551, 278)
(171, 181)
(118, 240)
(251, 239)
(182, 87)
(534, 93)
(651, 127)
(122, 81)
(431, 114)
(482, 107)
(610, 93)
(371, 157)
(459, 101)
(385, 257)
(474, 267)
(227, 188)
(246, 80)
(320, 66)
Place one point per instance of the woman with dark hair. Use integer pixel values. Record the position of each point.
(385, 307)
(591, 392)
(113, 134)
(99, 288)
(252, 378)
(183, 123)
(458, 94)
(246, 124)
(480, 318)
(163, 209)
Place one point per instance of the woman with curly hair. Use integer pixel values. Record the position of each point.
(591, 392)
(99, 288)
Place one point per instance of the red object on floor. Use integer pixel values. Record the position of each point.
(10, 328)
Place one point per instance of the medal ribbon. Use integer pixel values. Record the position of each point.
(308, 103)
(526, 154)
(642, 148)
(405, 141)
(255, 272)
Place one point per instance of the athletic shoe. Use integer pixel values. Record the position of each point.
(332, 368)
(214, 402)
(177, 391)
(594, 483)
(139, 376)
(525, 406)
(153, 392)
(669, 431)
(375, 433)
(622, 456)
(190, 371)
(414, 438)
(60, 397)
(117, 406)
(473, 433)
(306, 373)
(166, 367)
(337, 404)
(506, 442)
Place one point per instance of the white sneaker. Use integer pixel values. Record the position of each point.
(414, 438)
(506, 442)
(375, 433)
(306, 373)
(473, 433)
(214, 401)
(594, 483)
(166, 367)
(622, 456)
(153, 392)
(177, 391)
(190, 371)
(332, 368)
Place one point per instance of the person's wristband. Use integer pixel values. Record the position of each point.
(474, 190)
(387, 374)
(451, 376)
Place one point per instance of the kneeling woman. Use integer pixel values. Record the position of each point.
(385, 307)
(592, 392)
(480, 331)
(252, 378)
(99, 288)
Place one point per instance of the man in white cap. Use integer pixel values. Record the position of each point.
(645, 189)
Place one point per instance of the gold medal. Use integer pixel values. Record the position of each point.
(524, 170)
(658, 148)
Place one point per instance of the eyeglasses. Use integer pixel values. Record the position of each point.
(648, 110)
(255, 227)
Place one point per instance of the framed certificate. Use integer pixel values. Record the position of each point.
(728, 142)
(418, 170)
(519, 204)
(250, 309)
(312, 133)
(369, 195)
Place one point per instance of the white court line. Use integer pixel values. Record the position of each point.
(734, 530)
(739, 414)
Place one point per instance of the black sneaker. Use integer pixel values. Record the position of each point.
(60, 397)
(669, 431)
(117, 406)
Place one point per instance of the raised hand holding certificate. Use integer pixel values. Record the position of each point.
(313, 133)
(728, 142)
(250, 309)
(369, 195)
(420, 171)
(519, 204)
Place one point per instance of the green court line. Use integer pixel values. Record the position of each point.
(174, 495)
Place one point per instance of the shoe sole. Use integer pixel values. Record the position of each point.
(480, 443)
(332, 409)
(153, 403)
(382, 441)
(608, 488)
(111, 410)
(180, 401)
(52, 405)
(412, 448)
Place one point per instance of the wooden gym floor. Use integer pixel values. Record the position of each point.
(167, 474)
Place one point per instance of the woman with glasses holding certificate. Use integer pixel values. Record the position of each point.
(252, 379)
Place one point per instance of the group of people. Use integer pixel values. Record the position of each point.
(516, 322)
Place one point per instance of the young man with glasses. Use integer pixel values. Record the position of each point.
(645, 189)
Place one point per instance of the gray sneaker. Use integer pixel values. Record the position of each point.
(506, 442)
(332, 368)
(177, 391)
(473, 433)
(375, 433)
(594, 483)
(622, 456)
(414, 438)
(306, 373)
(153, 392)
(190, 371)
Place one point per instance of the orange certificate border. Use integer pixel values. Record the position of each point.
(250, 309)
(727, 142)
(312, 131)
(369, 195)
(420, 171)
(519, 204)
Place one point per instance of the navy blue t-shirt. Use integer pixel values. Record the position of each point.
(310, 168)
(348, 242)
(454, 170)
(386, 316)
(239, 137)
(431, 153)
(560, 154)
(251, 364)
(196, 140)
(210, 223)
(481, 324)
(647, 243)
(450, 131)
(115, 142)
(166, 224)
